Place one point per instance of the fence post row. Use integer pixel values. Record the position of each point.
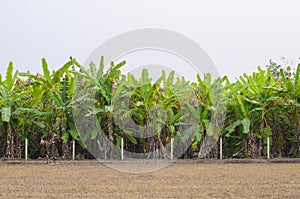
(172, 149)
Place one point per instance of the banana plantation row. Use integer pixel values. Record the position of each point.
(97, 108)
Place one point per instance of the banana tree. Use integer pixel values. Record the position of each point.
(8, 99)
(175, 98)
(208, 109)
(133, 101)
(292, 99)
(256, 95)
(238, 122)
(99, 91)
(54, 95)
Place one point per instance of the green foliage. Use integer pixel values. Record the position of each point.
(40, 107)
(6, 114)
(9, 79)
(46, 70)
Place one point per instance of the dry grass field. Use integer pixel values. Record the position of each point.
(183, 179)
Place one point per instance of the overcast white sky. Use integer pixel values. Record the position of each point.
(237, 35)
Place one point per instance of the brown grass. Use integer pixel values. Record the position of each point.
(180, 180)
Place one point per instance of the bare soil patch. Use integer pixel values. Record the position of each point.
(183, 179)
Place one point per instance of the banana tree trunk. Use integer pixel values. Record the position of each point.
(261, 140)
(251, 147)
(274, 127)
(110, 133)
(298, 132)
(9, 141)
(3, 138)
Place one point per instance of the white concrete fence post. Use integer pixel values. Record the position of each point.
(26, 149)
(268, 147)
(122, 148)
(73, 150)
(221, 148)
(172, 148)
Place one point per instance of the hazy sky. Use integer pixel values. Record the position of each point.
(237, 35)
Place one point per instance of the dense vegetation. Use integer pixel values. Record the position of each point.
(41, 108)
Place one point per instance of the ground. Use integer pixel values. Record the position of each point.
(182, 179)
